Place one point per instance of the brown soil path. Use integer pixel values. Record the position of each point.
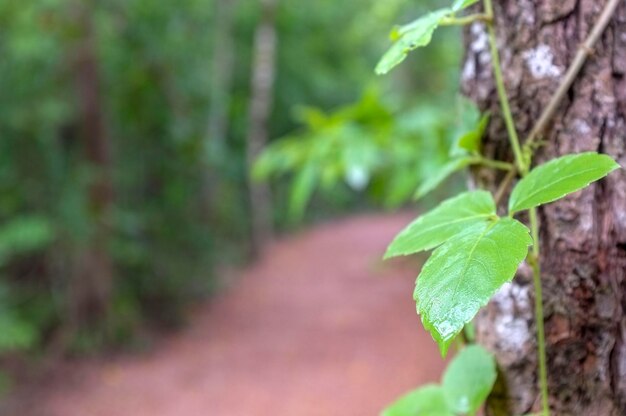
(319, 327)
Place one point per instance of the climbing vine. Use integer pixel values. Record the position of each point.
(476, 250)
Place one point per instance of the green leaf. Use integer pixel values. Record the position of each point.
(559, 177)
(301, 191)
(471, 141)
(448, 219)
(442, 174)
(463, 274)
(428, 400)
(16, 334)
(23, 235)
(468, 379)
(409, 37)
(469, 332)
(462, 4)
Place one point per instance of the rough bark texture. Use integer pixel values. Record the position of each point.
(583, 237)
(263, 69)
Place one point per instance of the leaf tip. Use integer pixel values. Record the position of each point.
(390, 253)
(444, 346)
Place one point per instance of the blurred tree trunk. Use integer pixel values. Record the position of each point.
(583, 238)
(222, 63)
(90, 288)
(221, 74)
(262, 84)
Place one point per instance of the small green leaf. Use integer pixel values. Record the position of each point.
(449, 218)
(462, 4)
(468, 379)
(559, 177)
(428, 400)
(469, 331)
(442, 174)
(463, 274)
(471, 141)
(409, 37)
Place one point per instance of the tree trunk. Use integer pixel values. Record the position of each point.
(221, 77)
(263, 67)
(583, 237)
(92, 271)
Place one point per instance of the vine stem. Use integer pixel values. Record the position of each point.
(495, 164)
(504, 100)
(522, 165)
(541, 337)
(583, 53)
(464, 20)
(504, 185)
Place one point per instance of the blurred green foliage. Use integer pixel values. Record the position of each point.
(154, 60)
(363, 145)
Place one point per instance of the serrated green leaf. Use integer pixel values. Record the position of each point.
(463, 274)
(442, 174)
(559, 177)
(428, 400)
(409, 37)
(462, 4)
(471, 141)
(468, 379)
(446, 220)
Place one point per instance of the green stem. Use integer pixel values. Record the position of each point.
(464, 20)
(522, 166)
(504, 100)
(495, 164)
(541, 337)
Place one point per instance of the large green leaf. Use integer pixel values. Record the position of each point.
(559, 177)
(428, 400)
(468, 379)
(462, 4)
(463, 274)
(409, 37)
(442, 174)
(449, 218)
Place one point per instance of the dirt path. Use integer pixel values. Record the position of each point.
(319, 327)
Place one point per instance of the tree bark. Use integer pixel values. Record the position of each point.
(263, 68)
(583, 237)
